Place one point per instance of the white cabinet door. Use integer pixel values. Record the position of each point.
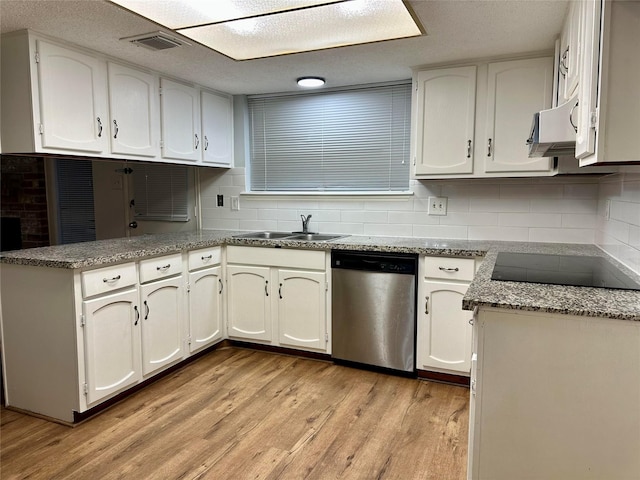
(445, 119)
(302, 309)
(162, 323)
(135, 117)
(217, 129)
(73, 100)
(570, 57)
(111, 343)
(516, 90)
(180, 111)
(205, 307)
(249, 303)
(444, 332)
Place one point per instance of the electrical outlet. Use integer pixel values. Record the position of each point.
(235, 203)
(220, 200)
(437, 206)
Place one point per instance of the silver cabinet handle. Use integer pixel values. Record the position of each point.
(205, 258)
(471, 321)
(146, 306)
(468, 148)
(99, 127)
(113, 279)
(115, 125)
(575, 127)
(197, 141)
(164, 267)
(426, 304)
(206, 143)
(489, 148)
(448, 269)
(221, 286)
(137, 314)
(280, 291)
(562, 63)
(266, 287)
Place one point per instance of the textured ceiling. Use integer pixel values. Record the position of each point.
(456, 30)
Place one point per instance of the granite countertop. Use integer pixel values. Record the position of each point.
(483, 292)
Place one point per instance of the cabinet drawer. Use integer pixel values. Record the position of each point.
(205, 257)
(160, 267)
(107, 279)
(449, 268)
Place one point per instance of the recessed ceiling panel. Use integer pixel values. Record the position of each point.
(327, 26)
(185, 13)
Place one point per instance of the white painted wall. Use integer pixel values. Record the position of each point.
(557, 209)
(619, 235)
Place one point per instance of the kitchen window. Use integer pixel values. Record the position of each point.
(353, 140)
(161, 192)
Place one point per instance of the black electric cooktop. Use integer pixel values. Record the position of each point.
(574, 270)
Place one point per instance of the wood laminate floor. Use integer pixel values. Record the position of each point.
(243, 414)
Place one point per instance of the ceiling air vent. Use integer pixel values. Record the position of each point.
(155, 41)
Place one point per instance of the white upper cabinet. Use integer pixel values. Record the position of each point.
(608, 100)
(73, 100)
(516, 90)
(217, 128)
(445, 120)
(180, 107)
(473, 121)
(570, 52)
(134, 113)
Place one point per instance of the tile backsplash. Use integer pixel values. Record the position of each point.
(618, 228)
(556, 209)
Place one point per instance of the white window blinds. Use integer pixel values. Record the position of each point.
(349, 140)
(161, 192)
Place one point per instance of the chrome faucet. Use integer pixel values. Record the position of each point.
(305, 223)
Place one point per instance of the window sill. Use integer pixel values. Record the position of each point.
(337, 195)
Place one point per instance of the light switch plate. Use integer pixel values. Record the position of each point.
(437, 206)
(235, 203)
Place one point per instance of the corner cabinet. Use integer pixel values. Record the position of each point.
(608, 103)
(278, 297)
(473, 121)
(443, 334)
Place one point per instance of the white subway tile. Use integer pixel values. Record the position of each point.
(291, 215)
(562, 235)
(498, 205)
(219, 223)
(516, 234)
(530, 219)
(441, 231)
(423, 190)
(631, 189)
(239, 181)
(256, 202)
(530, 191)
(413, 218)
(458, 204)
(321, 215)
(391, 205)
(288, 226)
(364, 217)
(267, 214)
(344, 228)
(618, 230)
(242, 214)
(296, 203)
(468, 189)
(626, 212)
(634, 236)
(579, 220)
(581, 190)
(564, 205)
(231, 191)
(396, 230)
(471, 218)
(342, 204)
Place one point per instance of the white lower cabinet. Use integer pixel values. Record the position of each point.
(205, 293)
(162, 310)
(443, 335)
(279, 299)
(111, 343)
(302, 309)
(249, 303)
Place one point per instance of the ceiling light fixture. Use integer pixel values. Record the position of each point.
(311, 82)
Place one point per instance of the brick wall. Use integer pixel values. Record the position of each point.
(23, 195)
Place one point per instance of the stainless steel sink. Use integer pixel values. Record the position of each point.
(307, 237)
(264, 235)
(317, 237)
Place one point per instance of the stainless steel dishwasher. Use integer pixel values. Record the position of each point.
(374, 309)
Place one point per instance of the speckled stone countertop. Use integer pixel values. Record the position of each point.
(483, 292)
